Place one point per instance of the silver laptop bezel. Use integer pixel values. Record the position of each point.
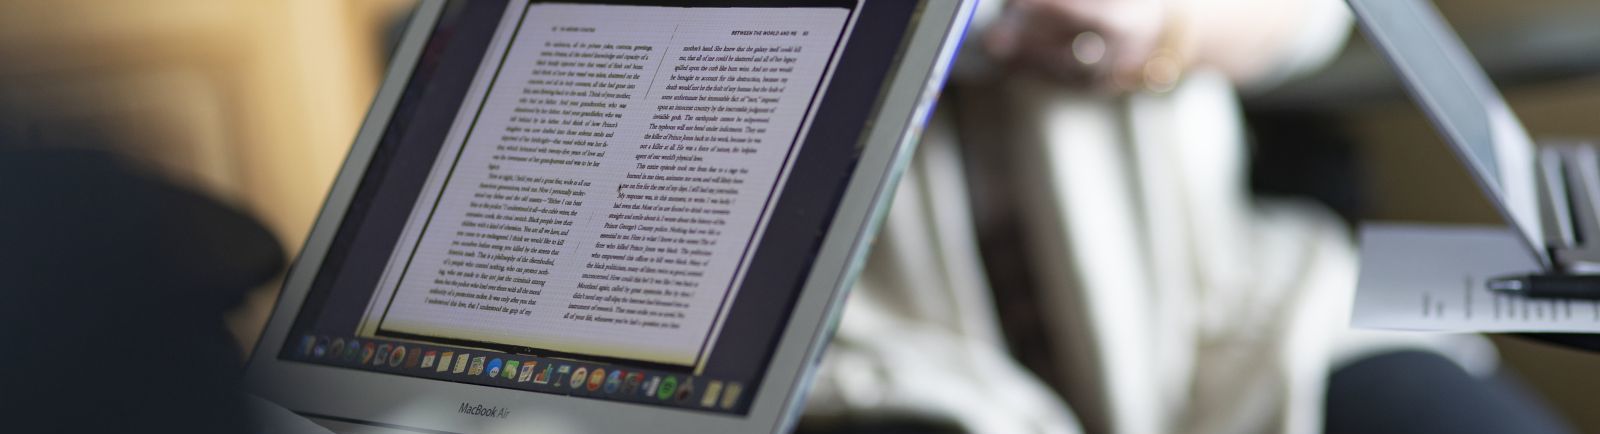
(389, 400)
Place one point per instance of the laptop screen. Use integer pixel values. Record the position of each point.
(1463, 104)
(607, 200)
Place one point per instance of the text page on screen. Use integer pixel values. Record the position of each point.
(602, 196)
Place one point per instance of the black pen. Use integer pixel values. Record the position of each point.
(1584, 286)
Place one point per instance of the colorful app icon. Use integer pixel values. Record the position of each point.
(336, 350)
(669, 386)
(367, 353)
(562, 373)
(613, 382)
(445, 359)
(630, 383)
(398, 356)
(543, 377)
(650, 386)
(428, 358)
(510, 372)
(353, 351)
(461, 364)
(527, 372)
(477, 366)
(413, 357)
(596, 379)
(730, 396)
(494, 367)
(321, 349)
(307, 344)
(383, 355)
(685, 391)
(713, 389)
(578, 376)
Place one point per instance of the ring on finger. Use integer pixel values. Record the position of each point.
(1089, 48)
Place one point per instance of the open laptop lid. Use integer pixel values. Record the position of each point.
(606, 216)
(1463, 104)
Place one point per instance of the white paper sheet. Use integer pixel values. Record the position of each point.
(1431, 278)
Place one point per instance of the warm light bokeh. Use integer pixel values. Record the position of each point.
(253, 101)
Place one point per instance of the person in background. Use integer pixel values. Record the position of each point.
(1095, 150)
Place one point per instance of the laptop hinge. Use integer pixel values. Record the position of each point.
(1570, 206)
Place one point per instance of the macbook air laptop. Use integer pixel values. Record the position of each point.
(1548, 194)
(604, 216)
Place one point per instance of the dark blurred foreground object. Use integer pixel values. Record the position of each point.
(113, 285)
(1416, 392)
(878, 424)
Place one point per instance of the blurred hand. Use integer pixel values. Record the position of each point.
(1101, 45)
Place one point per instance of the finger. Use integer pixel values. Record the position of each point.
(1069, 15)
(1003, 39)
(1038, 37)
(1056, 60)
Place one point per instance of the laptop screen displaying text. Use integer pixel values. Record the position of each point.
(615, 200)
